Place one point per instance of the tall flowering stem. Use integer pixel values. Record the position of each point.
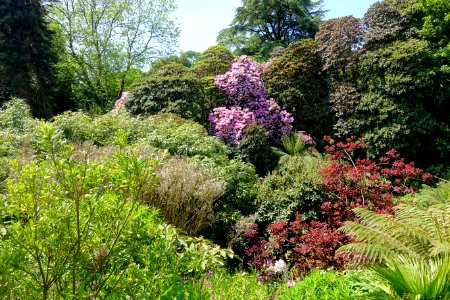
(247, 94)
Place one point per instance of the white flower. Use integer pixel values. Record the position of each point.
(278, 266)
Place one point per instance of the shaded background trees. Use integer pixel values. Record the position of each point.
(26, 55)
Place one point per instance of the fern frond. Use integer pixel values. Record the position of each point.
(371, 252)
(401, 236)
(429, 196)
(375, 242)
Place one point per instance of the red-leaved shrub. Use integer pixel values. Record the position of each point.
(351, 181)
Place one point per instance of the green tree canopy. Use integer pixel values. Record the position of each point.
(107, 38)
(259, 26)
(295, 78)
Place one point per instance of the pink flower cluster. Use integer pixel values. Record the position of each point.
(307, 139)
(242, 82)
(247, 98)
(229, 123)
(119, 102)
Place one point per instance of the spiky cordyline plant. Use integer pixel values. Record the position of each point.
(411, 278)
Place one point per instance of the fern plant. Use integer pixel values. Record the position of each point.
(429, 196)
(411, 248)
(412, 232)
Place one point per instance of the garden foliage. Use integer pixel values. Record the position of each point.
(295, 78)
(248, 102)
(349, 182)
(171, 89)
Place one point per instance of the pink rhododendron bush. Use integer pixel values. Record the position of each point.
(119, 102)
(247, 104)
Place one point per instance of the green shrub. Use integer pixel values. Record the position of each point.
(238, 200)
(72, 227)
(75, 126)
(295, 187)
(15, 115)
(214, 61)
(181, 137)
(402, 102)
(185, 195)
(173, 88)
(16, 128)
(238, 286)
(101, 130)
(328, 285)
(295, 79)
(255, 149)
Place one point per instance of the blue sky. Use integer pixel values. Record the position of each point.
(201, 20)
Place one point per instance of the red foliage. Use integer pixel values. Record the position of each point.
(352, 181)
(305, 245)
(361, 182)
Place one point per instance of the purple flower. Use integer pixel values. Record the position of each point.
(307, 139)
(249, 104)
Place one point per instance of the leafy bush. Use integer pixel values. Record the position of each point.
(304, 245)
(182, 137)
(16, 128)
(240, 182)
(172, 89)
(322, 285)
(185, 195)
(255, 149)
(295, 187)
(238, 286)
(362, 182)
(214, 61)
(403, 101)
(73, 226)
(102, 130)
(294, 77)
(15, 115)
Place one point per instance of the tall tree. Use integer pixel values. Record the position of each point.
(339, 43)
(295, 77)
(26, 56)
(259, 26)
(108, 38)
